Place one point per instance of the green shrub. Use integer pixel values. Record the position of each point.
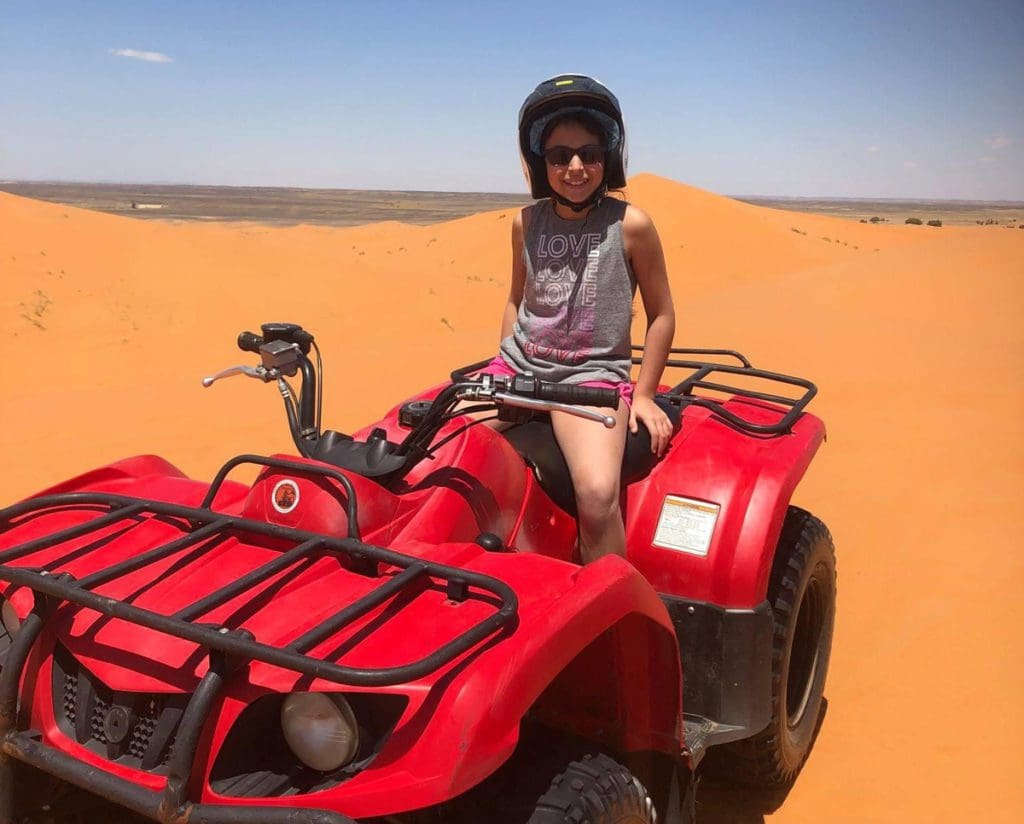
(934, 222)
(876, 219)
(914, 221)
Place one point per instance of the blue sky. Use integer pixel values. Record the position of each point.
(854, 99)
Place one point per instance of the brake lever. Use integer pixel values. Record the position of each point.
(553, 406)
(259, 372)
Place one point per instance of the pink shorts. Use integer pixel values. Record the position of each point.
(499, 366)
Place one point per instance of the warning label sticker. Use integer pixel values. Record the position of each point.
(686, 525)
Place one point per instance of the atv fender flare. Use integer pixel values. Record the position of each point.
(596, 659)
(148, 476)
(113, 476)
(747, 481)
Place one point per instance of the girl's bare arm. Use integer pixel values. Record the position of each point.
(648, 262)
(515, 294)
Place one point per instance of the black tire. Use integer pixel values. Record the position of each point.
(802, 594)
(597, 790)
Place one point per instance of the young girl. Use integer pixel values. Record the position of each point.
(578, 257)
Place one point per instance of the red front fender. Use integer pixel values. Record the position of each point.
(594, 655)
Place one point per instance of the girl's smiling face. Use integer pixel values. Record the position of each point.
(576, 180)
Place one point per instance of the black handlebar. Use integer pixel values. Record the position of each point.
(288, 332)
(530, 387)
(249, 342)
(578, 395)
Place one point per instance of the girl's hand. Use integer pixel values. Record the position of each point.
(646, 410)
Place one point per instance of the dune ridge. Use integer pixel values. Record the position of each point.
(912, 334)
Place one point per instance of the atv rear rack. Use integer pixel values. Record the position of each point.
(682, 392)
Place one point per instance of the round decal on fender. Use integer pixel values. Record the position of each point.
(285, 496)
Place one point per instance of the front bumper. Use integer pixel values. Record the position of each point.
(27, 747)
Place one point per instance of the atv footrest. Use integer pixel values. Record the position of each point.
(701, 733)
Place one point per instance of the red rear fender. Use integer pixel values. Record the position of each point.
(704, 524)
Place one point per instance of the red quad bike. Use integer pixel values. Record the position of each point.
(393, 627)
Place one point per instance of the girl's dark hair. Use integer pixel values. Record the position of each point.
(584, 119)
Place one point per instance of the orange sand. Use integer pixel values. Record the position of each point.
(909, 331)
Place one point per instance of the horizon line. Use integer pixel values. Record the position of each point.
(851, 198)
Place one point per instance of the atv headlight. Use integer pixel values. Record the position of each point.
(320, 728)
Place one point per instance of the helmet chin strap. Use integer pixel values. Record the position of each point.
(593, 200)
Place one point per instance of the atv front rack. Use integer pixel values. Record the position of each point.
(229, 649)
(204, 525)
(701, 370)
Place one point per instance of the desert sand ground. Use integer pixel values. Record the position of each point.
(913, 336)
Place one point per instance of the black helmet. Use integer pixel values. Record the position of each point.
(568, 94)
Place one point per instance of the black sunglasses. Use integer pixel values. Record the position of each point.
(589, 155)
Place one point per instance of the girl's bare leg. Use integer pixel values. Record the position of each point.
(594, 456)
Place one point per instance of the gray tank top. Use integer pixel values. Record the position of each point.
(574, 320)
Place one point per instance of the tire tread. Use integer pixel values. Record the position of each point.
(594, 790)
(757, 762)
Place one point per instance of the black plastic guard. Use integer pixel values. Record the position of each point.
(726, 655)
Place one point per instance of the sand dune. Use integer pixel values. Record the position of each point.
(913, 335)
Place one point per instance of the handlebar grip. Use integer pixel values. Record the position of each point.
(304, 339)
(578, 395)
(249, 342)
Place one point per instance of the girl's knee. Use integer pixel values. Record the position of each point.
(597, 494)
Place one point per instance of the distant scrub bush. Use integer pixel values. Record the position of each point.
(877, 219)
(914, 221)
(934, 222)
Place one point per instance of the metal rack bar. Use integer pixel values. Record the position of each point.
(683, 393)
(124, 509)
(351, 509)
(705, 369)
(727, 353)
(781, 427)
(747, 393)
(251, 579)
(357, 609)
(152, 556)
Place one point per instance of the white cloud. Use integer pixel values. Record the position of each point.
(909, 164)
(148, 56)
(998, 141)
(874, 149)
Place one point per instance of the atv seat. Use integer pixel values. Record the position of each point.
(535, 442)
